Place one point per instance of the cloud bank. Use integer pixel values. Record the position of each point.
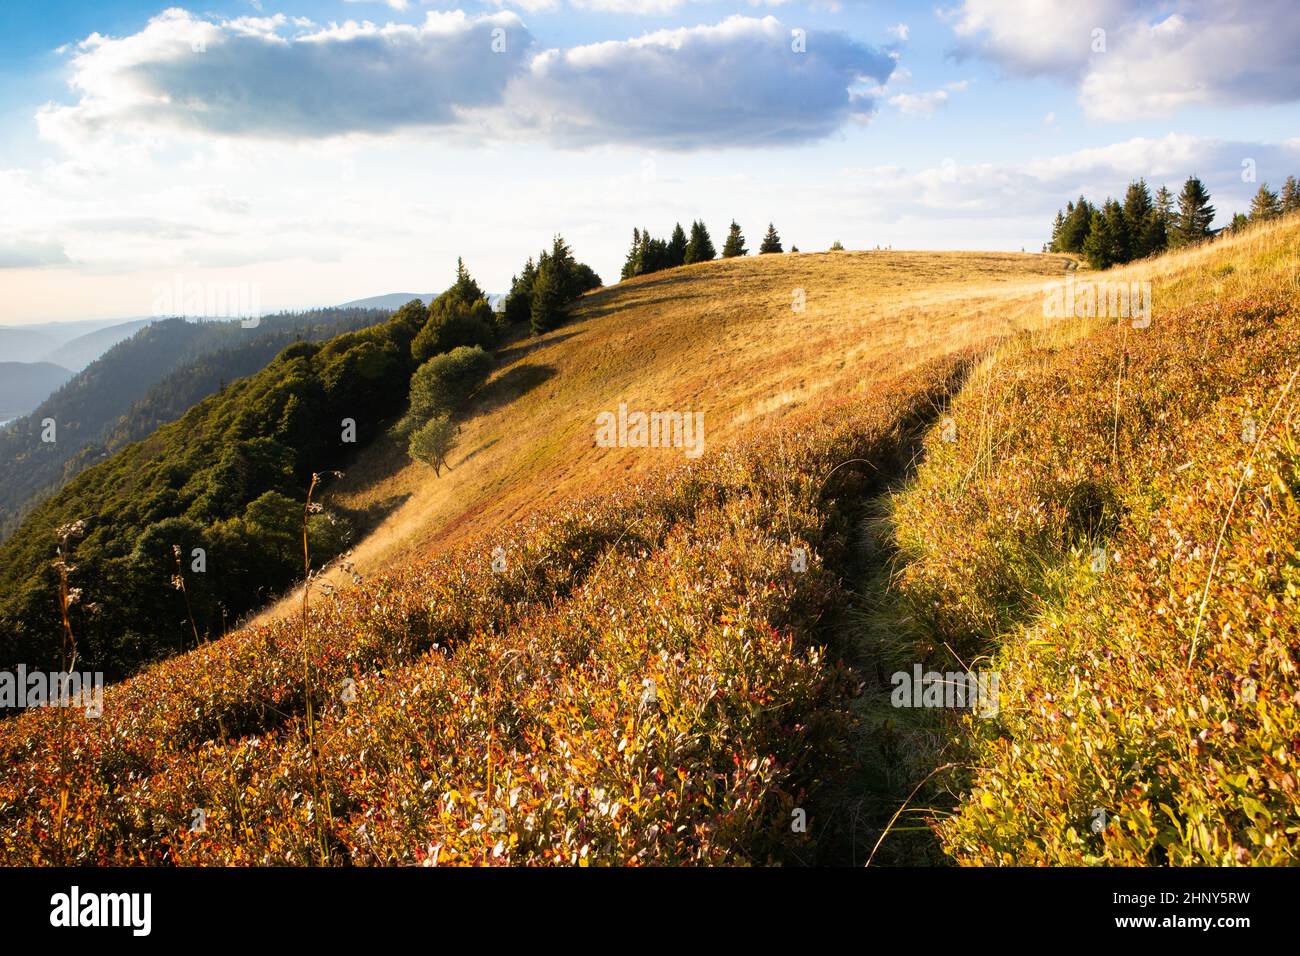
(1157, 56)
(741, 82)
(286, 79)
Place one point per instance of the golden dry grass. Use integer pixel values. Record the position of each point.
(1156, 692)
(723, 338)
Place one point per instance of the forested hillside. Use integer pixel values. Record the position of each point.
(179, 534)
(228, 479)
(139, 384)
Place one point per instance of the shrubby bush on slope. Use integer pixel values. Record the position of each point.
(1150, 712)
(641, 680)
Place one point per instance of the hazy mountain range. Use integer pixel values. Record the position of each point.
(395, 300)
(24, 385)
(73, 345)
(35, 360)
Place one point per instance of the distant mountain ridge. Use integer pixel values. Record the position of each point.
(74, 345)
(152, 378)
(24, 385)
(227, 476)
(390, 301)
(84, 349)
(395, 300)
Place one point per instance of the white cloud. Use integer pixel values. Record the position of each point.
(392, 4)
(1154, 61)
(1034, 37)
(739, 82)
(925, 104)
(278, 79)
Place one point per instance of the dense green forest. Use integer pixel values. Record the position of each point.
(181, 533)
(149, 379)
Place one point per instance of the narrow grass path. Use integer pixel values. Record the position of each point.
(888, 752)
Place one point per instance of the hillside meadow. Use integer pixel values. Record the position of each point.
(1115, 532)
(565, 654)
(741, 340)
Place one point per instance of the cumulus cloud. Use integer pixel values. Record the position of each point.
(1035, 37)
(278, 78)
(1157, 57)
(647, 7)
(394, 4)
(741, 82)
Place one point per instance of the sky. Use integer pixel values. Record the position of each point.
(315, 153)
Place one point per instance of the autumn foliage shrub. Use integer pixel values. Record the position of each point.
(1117, 525)
(638, 678)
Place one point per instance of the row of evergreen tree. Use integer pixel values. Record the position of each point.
(542, 293)
(1141, 225)
(1269, 205)
(654, 255)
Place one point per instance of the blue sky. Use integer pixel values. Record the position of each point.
(326, 151)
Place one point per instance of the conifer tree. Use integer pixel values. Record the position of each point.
(634, 264)
(735, 244)
(1138, 212)
(1094, 246)
(1192, 220)
(548, 298)
(1265, 205)
(565, 269)
(1102, 245)
(700, 247)
(465, 288)
(654, 253)
(519, 303)
(1290, 195)
(676, 248)
(1057, 226)
(647, 253)
(771, 241)
(1078, 222)
(1165, 206)
(1117, 225)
